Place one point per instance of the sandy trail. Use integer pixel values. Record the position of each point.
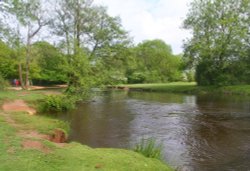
(18, 106)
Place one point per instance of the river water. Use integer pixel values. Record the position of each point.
(198, 133)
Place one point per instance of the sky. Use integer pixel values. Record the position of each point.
(152, 19)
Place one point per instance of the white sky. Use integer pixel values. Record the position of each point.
(152, 19)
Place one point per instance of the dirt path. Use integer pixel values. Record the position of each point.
(39, 87)
(31, 138)
(18, 106)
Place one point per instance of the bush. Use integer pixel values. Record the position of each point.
(148, 148)
(57, 103)
(136, 77)
(3, 83)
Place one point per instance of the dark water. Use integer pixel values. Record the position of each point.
(199, 133)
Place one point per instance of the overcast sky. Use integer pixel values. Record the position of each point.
(152, 19)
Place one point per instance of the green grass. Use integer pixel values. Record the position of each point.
(43, 124)
(190, 88)
(72, 157)
(149, 148)
(180, 87)
(31, 96)
(22, 94)
(27, 95)
(237, 89)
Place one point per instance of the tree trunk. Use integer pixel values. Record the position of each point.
(20, 74)
(27, 74)
(77, 29)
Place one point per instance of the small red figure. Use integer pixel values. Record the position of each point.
(17, 82)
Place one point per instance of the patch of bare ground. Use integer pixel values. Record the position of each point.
(36, 145)
(32, 134)
(9, 120)
(58, 137)
(18, 106)
(27, 134)
(39, 87)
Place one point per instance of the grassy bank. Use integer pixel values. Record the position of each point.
(51, 156)
(189, 88)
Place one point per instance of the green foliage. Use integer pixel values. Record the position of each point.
(3, 83)
(93, 48)
(28, 16)
(136, 77)
(80, 76)
(51, 63)
(149, 148)
(192, 88)
(174, 87)
(101, 60)
(189, 75)
(8, 67)
(219, 48)
(57, 103)
(155, 63)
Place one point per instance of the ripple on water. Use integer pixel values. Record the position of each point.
(200, 133)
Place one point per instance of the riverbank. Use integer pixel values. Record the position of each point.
(25, 146)
(187, 88)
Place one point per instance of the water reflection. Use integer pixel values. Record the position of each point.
(102, 123)
(225, 129)
(198, 133)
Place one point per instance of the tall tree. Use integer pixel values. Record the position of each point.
(90, 35)
(30, 16)
(70, 22)
(7, 63)
(220, 39)
(51, 63)
(156, 62)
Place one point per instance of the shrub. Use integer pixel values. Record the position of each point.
(136, 77)
(3, 83)
(57, 103)
(149, 148)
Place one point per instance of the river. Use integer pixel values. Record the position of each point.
(198, 133)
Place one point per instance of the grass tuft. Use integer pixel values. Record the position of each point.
(149, 148)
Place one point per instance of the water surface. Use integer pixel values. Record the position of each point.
(199, 133)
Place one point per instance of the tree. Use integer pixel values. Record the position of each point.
(50, 62)
(70, 24)
(92, 38)
(7, 62)
(220, 40)
(30, 15)
(104, 32)
(156, 63)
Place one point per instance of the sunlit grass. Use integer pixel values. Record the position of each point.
(190, 88)
(72, 156)
(149, 148)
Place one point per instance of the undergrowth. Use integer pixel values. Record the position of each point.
(149, 148)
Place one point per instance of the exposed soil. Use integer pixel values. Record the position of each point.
(9, 120)
(18, 106)
(39, 87)
(27, 134)
(33, 134)
(37, 145)
(58, 137)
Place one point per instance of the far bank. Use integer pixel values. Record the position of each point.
(186, 88)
